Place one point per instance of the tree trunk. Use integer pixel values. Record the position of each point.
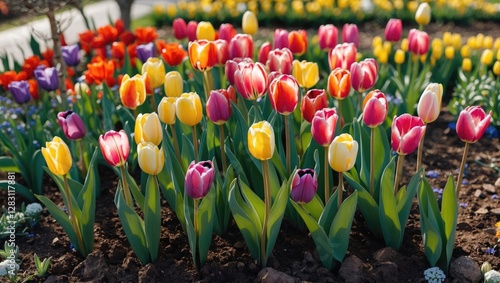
(79, 6)
(125, 9)
(58, 59)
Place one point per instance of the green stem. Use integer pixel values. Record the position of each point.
(287, 146)
(340, 189)
(267, 200)
(74, 221)
(420, 152)
(327, 177)
(206, 85)
(222, 77)
(195, 143)
(175, 141)
(152, 101)
(82, 158)
(462, 166)
(195, 224)
(399, 173)
(222, 152)
(372, 161)
(126, 190)
(360, 103)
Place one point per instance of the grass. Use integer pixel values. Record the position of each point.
(145, 21)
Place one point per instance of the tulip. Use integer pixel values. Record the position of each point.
(71, 54)
(188, 109)
(155, 70)
(148, 129)
(281, 39)
(423, 14)
(393, 30)
(249, 23)
(118, 50)
(115, 147)
(180, 28)
(222, 48)
(399, 57)
(487, 57)
(306, 73)
(145, 51)
(151, 158)
(241, 46)
(375, 108)
(57, 156)
(328, 36)
(406, 133)
(342, 153)
(297, 42)
(284, 94)
(339, 83)
(205, 30)
(314, 100)
(350, 34)
(72, 125)
(166, 110)
(191, 30)
(449, 52)
(496, 68)
(173, 54)
(364, 74)
(132, 91)
(280, 60)
(101, 70)
(202, 54)
(323, 126)
(264, 51)
(304, 186)
(429, 104)
(226, 32)
(47, 78)
(218, 107)
(173, 84)
(199, 178)
(145, 34)
(467, 64)
(20, 91)
(232, 66)
(251, 80)
(261, 140)
(418, 42)
(343, 55)
(472, 123)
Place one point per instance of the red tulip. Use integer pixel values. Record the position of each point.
(406, 133)
(232, 66)
(264, 50)
(191, 30)
(180, 28)
(314, 100)
(251, 80)
(118, 50)
(284, 94)
(280, 60)
(109, 33)
(339, 83)
(375, 108)
(145, 34)
(199, 178)
(350, 34)
(297, 41)
(418, 42)
(364, 74)
(393, 30)
(202, 54)
(173, 54)
(218, 107)
(222, 48)
(304, 185)
(226, 32)
(281, 39)
(241, 45)
(323, 126)
(115, 147)
(472, 123)
(328, 36)
(343, 55)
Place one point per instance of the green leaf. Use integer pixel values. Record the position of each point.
(341, 227)
(37, 162)
(382, 150)
(276, 216)
(152, 217)
(389, 220)
(206, 220)
(449, 213)
(238, 168)
(433, 243)
(19, 189)
(7, 164)
(35, 46)
(331, 208)
(405, 202)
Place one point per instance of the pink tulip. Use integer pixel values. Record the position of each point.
(264, 50)
(191, 30)
(472, 123)
(251, 80)
(314, 100)
(180, 28)
(304, 185)
(232, 66)
(375, 108)
(364, 74)
(393, 30)
(418, 42)
(280, 60)
(429, 105)
(199, 178)
(115, 147)
(406, 133)
(226, 32)
(72, 125)
(350, 34)
(218, 107)
(284, 94)
(241, 45)
(281, 39)
(323, 126)
(342, 56)
(222, 51)
(328, 36)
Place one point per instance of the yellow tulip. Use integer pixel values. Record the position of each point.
(188, 108)
(487, 57)
(447, 38)
(479, 40)
(488, 42)
(249, 23)
(456, 40)
(399, 57)
(155, 70)
(471, 42)
(205, 30)
(496, 44)
(404, 44)
(423, 14)
(377, 41)
(383, 57)
(132, 91)
(449, 52)
(166, 110)
(280, 8)
(57, 156)
(82, 88)
(174, 85)
(148, 129)
(437, 51)
(465, 51)
(466, 64)
(342, 153)
(151, 158)
(306, 73)
(261, 140)
(496, 68)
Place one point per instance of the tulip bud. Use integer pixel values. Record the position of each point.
(399, 57)
(466, 64)
(173, 85)
(393, 30)
(148, 129)
(423, 14)
(264, 51)
(485, 267)
(241, 46)
(350, 34)
(343, 55)
(364, 74)
(297, 41)
(166, 110)
(191, 29)
(496, 68)
(465, 51)
(71, 54)
(342, 153)
(20, 91)
(281, 39)
(199, 178)
(339, 83)
(132, 91)
(188, 108)
(418, 42)
(251, 80)
(406, 133)
(249, 23)
(232, 66)
(115, 147)
(304, 186)
(328, 37)
(47, 78)
(429, 104)
(180, 28)
(222, 48)
(205, 30)
(280, 60)
(155, 70)
(81, 88)
(449, 52)
(57, 156)
(314, 100)
(487, 57)
(284, 94)
(226, 32)
(323, 126)
(145, 51)
(261, 142)
(472, 123)
(72, 125)
(375, 108)
(151, 158)
(202, 54)
(218, 107)
(306, 73)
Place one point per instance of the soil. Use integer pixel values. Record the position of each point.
(294, 254)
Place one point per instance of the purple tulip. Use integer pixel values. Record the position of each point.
(199, 179)
(304, 185)
(72, 125)
(71, 54)
(47, 78)
(145, 51)
(20, 91)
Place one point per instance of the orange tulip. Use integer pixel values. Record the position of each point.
(297, 41)
(101, 70)
(339, 83)
(202, 54)
(284, 94)
(85, 39)
(132, 91)
(109, 33)
(118, 50)
(145, 35)
(172, 53)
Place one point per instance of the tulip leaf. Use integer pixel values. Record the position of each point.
(7, 164)
(152, 216)
(134, 190)
(315, 207)
(389, 220)
(125, 115)
(107, 109)
(449, 213)
(203, 153)
(341, 226)
(20, 189)
(276, 216)
(74, 188)
(206, 222)
(238, 169)
(363, 140)
(382, 151)
(187, 151)
(223, 212)
(35, 46)
(432, 238)
(331, 208)
(256, 204)
(405, 199)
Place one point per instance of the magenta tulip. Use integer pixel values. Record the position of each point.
(406, 133)
(472, 123)
(241, 45)
(191, 30)
(72, 125)
(304, 186)
(218, 107)
(199, 178)
(350, 34)
(364, 74)
(375, 108)
(222, 48)
(180, 28)
(342, 56)
(281, 39)
(393, 30)
(115, 147)
(418, 42)
(226, 32)
(280, 60)
(328, 36)
(323, 126)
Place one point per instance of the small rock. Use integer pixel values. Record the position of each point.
(322, 271)
(351, 270)
(240, 265)
(497, 183)
(56, 279)
(253, 267)
(480, 225)
(464, 226)
(56, 242)
(271, 275)
(310, 264)
(482, 210)
(93, 268)
(479, 194)
(386, 254)
(491, 231)
(386, 272)
(490, 188)
(464, 269)
(495, 211)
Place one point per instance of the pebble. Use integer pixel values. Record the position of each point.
(495, 211)
(482, 210)
(56, 242)
(491, 231)
(490, 188)
(465, 269)
(497, 183)
(479, 194)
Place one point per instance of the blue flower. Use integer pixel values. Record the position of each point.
(490, 251)
(495, 196)
(452, 126)
(492, 132)
(432, 174)
(462, 204)
(438, 191)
